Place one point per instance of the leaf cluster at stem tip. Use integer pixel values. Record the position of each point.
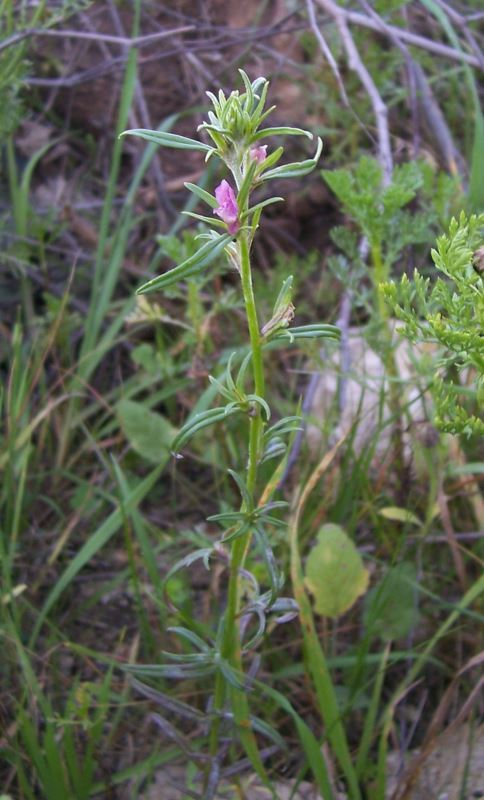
(235, 133)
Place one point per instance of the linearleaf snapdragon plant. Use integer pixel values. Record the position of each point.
(234, 128)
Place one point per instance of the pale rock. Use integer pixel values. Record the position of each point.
(367, 415)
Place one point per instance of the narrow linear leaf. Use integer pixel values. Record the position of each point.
(296, 169)
(202, 194)
(261, 205)
(308, 332)
(284, 131)
(207, 253)
(167, 139)
(201, 421)
(207, 220)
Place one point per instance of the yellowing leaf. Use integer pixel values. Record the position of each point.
(335, 574)
(397, 514)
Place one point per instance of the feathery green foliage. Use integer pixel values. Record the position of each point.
(450, 312)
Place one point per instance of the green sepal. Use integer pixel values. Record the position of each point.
(167, 139)
(283, 311)
(285, 295)
(207, 253)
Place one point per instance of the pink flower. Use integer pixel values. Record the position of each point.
(228, 209)
(259, 153)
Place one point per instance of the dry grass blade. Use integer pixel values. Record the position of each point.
(453, 740)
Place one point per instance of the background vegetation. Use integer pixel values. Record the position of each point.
(95, 511)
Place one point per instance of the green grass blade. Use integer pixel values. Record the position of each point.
(371, 715)
(107, 530)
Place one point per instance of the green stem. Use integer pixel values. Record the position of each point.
(381, 275)
(230, 648)
(314, 654)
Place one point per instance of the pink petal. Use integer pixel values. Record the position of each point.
(228, 209)
(259, 153)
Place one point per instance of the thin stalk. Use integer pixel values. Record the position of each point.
(314, 655)
(257, 363)
(380, 275)
(230, 648)
(20, 219)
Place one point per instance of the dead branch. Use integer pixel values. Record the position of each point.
(94, 36)
(355, 63)
(414, 39)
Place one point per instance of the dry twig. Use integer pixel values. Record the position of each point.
(356, 63)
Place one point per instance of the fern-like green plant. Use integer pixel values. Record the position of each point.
(451, 313)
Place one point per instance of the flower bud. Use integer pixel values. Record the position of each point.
(259, 153)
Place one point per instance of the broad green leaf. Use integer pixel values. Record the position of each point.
(335, 574)
(167, 139)
(148, 433)
(391, 606)
(397, 514)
